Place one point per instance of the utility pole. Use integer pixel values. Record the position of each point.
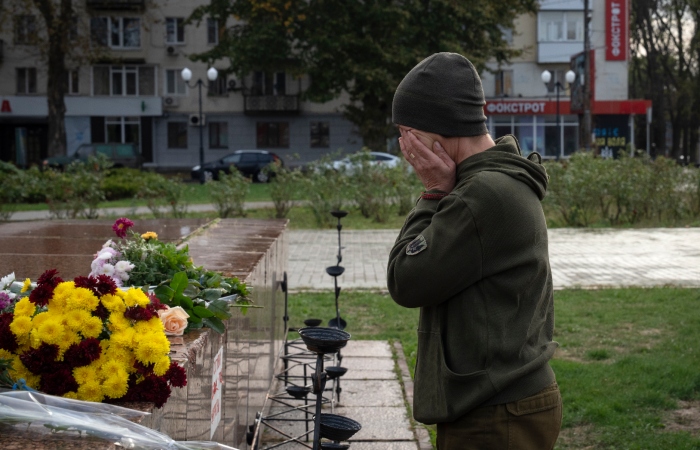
(588, 78)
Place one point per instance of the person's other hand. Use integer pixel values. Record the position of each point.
(435, 168)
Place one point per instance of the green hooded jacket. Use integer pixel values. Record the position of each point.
(477, 264)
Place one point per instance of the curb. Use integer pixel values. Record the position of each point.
(419, 430)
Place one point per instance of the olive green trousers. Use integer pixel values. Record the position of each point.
(532, 423)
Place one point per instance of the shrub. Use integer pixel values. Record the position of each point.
(77, 192)
(229, 193)
(370, 187)
(284, 188)
(406, 186)
(122, 183)
(10, 189)
(161, 194)
(326, 190)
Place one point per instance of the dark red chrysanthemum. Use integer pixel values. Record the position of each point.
(41, 360)
(139, 313)
(7, 338)
(155, 304)
(100, 285)
(49, 277)
(83, 353)
(155, 389)
(143, 369)
(121, 226)
(176, 375)
(58, 382)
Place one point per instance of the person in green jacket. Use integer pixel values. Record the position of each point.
(473, 256)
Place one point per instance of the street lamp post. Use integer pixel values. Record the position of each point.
(546, 78)
(212, 74)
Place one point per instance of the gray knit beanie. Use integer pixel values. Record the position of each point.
(442, 95)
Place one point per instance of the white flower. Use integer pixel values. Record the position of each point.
(109, 243)
(107, 253)
(7, 280)
(106, 269)
(123, 266)
(123, 276)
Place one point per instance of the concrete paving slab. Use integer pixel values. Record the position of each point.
(379, 423)
(379, 349)
(395, 445)
(370, 393)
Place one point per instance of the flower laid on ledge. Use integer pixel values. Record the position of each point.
(89, 340)
(203, 297)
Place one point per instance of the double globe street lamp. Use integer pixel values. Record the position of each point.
(546, 78)
(212, 74)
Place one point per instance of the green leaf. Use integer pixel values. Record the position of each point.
(164, 293)
(214, 281)
(201, 311)
(215, 324)
(192, 291)
(193, 319)
(220, 309)
(184, 301)
(179, 282)
(211, 294)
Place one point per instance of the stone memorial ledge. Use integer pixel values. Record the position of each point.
(242, 359)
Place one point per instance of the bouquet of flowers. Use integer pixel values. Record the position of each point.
(89, 340)
(200, 296)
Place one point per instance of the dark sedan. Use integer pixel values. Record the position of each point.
(249, 162)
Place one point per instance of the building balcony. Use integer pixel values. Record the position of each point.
(271, 104)
(115, 5)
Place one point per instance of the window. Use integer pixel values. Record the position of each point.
(506, 34)
(273, 134)
(122, 130)
(26, 80)
(174, 84)
(124, 80)
(218, 87)
(560, 26)
(212, 31)
(25, 30)
(218, 135)
(74, 82)
(269, 83)
(116, 32)
(504, 83)
(175, 30)
(320, 135)
(177, 134)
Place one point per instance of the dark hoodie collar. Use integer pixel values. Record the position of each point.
(506, 157)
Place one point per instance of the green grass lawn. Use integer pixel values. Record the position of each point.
(627, 357)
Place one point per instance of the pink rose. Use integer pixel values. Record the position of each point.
(174, 320)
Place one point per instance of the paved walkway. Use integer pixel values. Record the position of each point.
(579, 258)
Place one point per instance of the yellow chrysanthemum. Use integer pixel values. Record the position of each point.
(115, 386)
(149, 235)
(85, 374)
(112, 366)
(40, 318)
(82, 298)
(18, 371)
(91, 392)
(26, 285)
(24, 307)
(61, 294)
(75, 319)
(151, 349)
(154, 325)
(117, 322)
(161, 366)
(4, 354)
(92, 327)
(21, 326)
(123, 338)
(51, 331)
(122, 356)
(113, 303)
(136, 297)
(69, 338)
(71, 394)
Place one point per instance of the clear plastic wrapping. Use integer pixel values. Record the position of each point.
(36, 413)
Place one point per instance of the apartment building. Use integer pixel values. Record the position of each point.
(137, 94)
(520, 103)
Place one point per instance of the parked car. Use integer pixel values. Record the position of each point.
(249, 162)
(375, 159)
(121, 155)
